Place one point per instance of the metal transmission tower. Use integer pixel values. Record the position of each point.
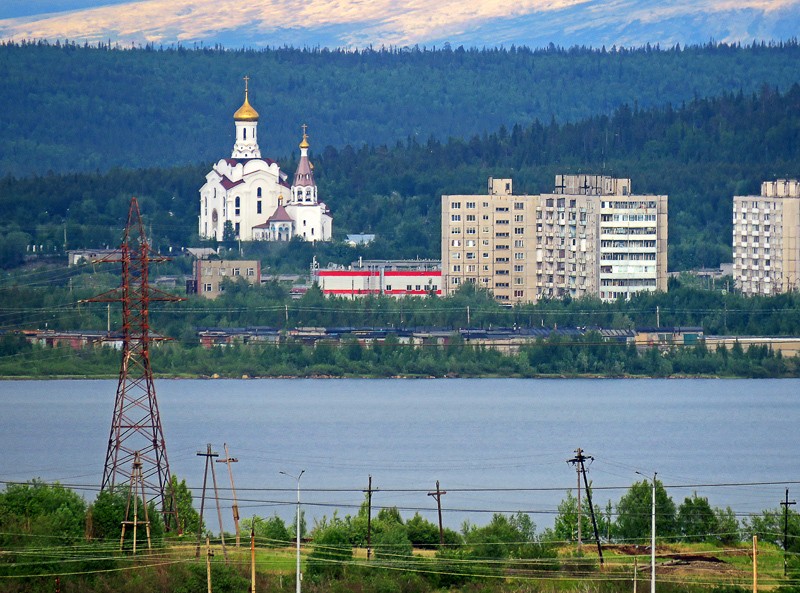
(136, 425)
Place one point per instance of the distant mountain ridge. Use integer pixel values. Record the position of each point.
(85, 108)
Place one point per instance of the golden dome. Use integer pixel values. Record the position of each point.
(246, 111)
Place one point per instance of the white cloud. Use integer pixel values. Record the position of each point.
(377, 22)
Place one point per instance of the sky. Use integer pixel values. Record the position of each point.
(356, 24)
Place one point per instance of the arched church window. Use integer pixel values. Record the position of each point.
(258, 192)
(244, 133)
(238, 204)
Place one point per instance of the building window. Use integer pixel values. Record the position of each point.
(237, 205)
(455, 218)
(258, 207)
(519, 218)
(519, 206)
(236, 271)
(388, 287)
(471, 205)
(455, 205)
(519, 268)
(519, 293)
(237, 228)
(470, 218)
(519, 243)
(519, 256)
(207, 287)
(251, 271)
(456, 242)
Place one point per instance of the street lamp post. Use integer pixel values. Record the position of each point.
(297, 478)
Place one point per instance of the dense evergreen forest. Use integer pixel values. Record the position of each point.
(701, 154)
(78, 108)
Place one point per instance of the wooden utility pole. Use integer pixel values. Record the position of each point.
(755, 564)
(786, 504)
(209, 455)
(369, 492)
(228, 460)
(578, 461)
(209, 554)
(253, 556)
(578, 473)
(137, 486)
(438, 496)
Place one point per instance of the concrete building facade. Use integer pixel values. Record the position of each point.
(766, 239)
(591, 236)
(210, 274)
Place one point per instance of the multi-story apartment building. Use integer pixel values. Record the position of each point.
(591, 236)
(766, 239)
(210, 275)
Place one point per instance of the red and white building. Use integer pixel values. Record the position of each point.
(393, 278)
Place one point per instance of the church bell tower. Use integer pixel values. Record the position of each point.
(246, 118)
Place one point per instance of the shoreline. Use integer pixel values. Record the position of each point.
(376, 377)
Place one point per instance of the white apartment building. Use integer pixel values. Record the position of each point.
(766, 239)
(591, 236)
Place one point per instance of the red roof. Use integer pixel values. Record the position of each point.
(227, 183)
(280, 215)
(234, 162)
(305, 174)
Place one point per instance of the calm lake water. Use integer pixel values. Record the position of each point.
(473, 435)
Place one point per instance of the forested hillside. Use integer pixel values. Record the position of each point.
(73, 108)
(700, 154)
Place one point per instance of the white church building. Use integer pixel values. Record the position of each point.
(255, 195)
